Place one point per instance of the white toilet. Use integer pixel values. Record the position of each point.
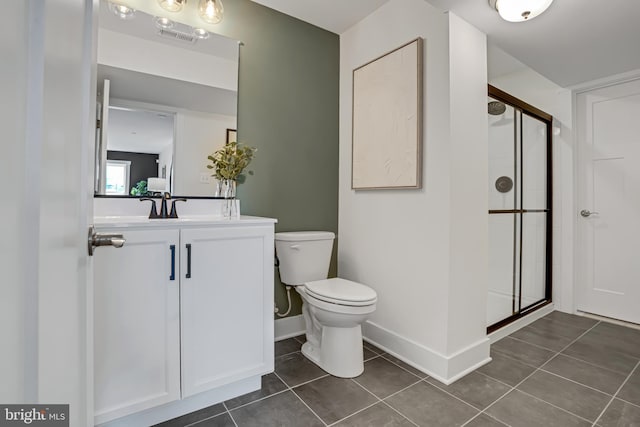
(333, 309)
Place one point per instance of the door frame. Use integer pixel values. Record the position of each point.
(577, 264)
(546, 118)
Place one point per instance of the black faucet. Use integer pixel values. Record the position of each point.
(154, 212)
(174, 212)
(164, 211)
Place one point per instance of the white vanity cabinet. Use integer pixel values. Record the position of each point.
(182, 316)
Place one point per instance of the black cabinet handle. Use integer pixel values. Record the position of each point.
(188, 275)
(173, 262)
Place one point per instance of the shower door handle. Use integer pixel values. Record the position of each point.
(586, 213)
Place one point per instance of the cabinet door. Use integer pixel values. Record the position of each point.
(226, 305)
(137, 324)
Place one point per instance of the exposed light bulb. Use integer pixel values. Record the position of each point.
(122, 11)
(211, 11)
(520, 10)
(201, 33)
(172, 5)
(163, 23)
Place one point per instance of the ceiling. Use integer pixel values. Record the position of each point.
(574, 41)
(333, 15)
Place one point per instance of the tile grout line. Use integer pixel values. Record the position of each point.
(405, 369)
(392, 394)
(454, 396)
(380, 400)
(532, 344)
(514, 359)
(287, 354)
(531, 374)
(229, 412)
(479, 414)
(573, 381)
(299, 398)
(399, 413)
(590, 363)
(362, 409)
(195, 423)
(402, 389)
(626, 401)
(357, 412)
(616, 393)
(261, 398)
(561, 324)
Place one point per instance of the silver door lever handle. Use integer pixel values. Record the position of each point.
(104, 239)
(586, 213)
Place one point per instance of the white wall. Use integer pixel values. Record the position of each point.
(469, 230)
(536, 90)
(197, 136)
(423, 251)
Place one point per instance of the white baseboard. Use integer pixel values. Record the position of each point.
(288, 327)
(184, 406)
(445, 369)
(520, 323)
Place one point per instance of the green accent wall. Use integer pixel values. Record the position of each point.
(288, 109)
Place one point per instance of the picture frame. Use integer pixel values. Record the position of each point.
(387, 116)
(232, 136)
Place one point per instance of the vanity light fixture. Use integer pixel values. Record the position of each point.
(520, 10)
(172, 5)
(201, 33)
(163, 23)
(211, 11)
(122, 11)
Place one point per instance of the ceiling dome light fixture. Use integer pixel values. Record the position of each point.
(172, 5)
(211, 11)
(122, 11)
(201, 33)
(163, 23)
(520, 10)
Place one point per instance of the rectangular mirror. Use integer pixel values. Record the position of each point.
(166, 100)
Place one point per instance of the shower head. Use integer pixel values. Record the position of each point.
(496, 108)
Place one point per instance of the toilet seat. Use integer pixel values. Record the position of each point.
(341, 292)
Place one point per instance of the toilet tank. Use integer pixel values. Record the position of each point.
(304, 255)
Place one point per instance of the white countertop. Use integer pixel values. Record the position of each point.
(129, 221)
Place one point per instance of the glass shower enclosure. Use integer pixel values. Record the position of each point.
(520, 202)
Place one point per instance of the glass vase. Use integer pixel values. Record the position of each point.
(226, 189)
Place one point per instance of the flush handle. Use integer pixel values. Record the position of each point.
(586, 213)
(103, 239)
(295, 247)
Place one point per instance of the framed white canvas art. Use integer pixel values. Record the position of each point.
(387, 120)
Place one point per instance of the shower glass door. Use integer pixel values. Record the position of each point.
(519, 209)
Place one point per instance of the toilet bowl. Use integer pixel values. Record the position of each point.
(333, 309)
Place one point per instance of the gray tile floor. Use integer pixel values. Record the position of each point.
(562, 370)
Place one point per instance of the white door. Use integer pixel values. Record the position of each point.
(609, 201)
(47, 114)
(137, 323)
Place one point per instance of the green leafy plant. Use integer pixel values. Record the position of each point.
(140, 189)
(231, 160)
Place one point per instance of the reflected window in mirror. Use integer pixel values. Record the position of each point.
(118, 173)
(143, 74)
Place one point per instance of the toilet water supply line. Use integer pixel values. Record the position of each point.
(288, 288)
(288, 301)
